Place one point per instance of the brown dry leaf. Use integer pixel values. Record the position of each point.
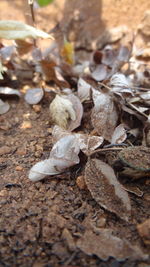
(119, 135)
(105, 188)
(23, 47)
(104, 115)
(105, 245)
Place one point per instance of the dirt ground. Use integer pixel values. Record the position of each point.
(41, 222)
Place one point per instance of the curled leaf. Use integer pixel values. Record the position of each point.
(64, 154)
(104, 115)
(61, 110)
(119, 135)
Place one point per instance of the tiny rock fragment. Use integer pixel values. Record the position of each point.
(19, 168)
(37, 108)
(144, 231)
(66, 235)
(80, 181)
(21, 151)
(26, 125)
(5, 150)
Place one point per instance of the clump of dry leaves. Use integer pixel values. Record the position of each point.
(106, 101)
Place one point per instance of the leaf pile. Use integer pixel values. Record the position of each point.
(106, 98)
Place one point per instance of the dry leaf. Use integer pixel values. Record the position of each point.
(9, 91)
(120, 85)
(78, 108)
(105, 245)
(1, 71)
(100, 73)
(64, 154)
(4, 107)
(104, 115)
(11, 29)
(105, 188)
(86, 142)
(61, 110)
(83, 90)
(33, 96)
(119, 135)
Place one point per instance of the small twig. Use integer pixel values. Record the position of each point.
(30, 2)
(104, 85)
(101, 150)
(135, 108)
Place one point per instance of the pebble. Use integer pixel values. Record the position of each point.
(21, 151)
(144, 231)
(37, 108)
(19, 168)
(5, 150)
(81, 182)
(26, 125)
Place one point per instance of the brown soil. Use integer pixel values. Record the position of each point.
(34, 217)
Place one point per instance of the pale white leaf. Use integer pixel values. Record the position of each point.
(120, 85)
(104, 114)
(89, 143)
(9, 91)
(33, 96)
(119, 135)
(4, 107)
(100, 73)
(1, 71)
(61, 110)
(11, 29)
(78, 108)
(83, 90)
(64, 154)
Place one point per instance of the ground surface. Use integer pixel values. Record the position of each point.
(41, 222)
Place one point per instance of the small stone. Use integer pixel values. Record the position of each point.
(39, 147)
(5, 150)
(26, 125)
(101, 222)
(37, 108)
(21, 151)
(19, 168)
(81, 182)
(144, 231)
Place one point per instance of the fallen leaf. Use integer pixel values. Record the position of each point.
(83, 90)
(119, 135)
(100, 73)
(105, 188)
(78, 108)
(4, 107)
(64, 154)
(33, 96)
(61, 110)
(67, 52)
(105, 245)
(11, 29)
(9, 91)
(120, 85)
(1, 71)
(104, 114)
